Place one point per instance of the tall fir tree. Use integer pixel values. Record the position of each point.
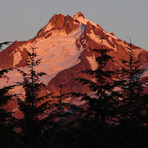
(131, 105)
(132, 86)
(102, 107)
(33, 124)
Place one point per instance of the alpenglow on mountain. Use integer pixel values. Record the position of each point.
(65, 47)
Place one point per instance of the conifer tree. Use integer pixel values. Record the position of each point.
(132, 103)
(33, 124)
(132, 86)
(101, 109)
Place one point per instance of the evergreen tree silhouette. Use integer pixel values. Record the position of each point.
(131, 86)
(131, 106)
(33, 124)
(98, 117)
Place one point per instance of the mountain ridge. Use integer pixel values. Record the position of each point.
(65, 46)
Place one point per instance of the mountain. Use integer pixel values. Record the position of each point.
(65, 46)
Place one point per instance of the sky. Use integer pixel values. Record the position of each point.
(22, 19)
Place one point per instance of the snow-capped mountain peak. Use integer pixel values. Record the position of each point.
(64, 46)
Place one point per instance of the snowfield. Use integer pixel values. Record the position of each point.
(57, 53)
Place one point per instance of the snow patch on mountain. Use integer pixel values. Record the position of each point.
(58, 52)
(111, 35)
(105, 42)
(145, 73)
(17, 58)
(48, 27)
(92, 61)
(97, 39)
(94, 37)
(137, 52)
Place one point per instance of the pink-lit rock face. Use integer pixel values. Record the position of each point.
(65, 47)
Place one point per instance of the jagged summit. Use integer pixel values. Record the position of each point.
(65, 23)
(58, 22)
(79, 14)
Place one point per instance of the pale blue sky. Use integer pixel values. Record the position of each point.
(22, 19)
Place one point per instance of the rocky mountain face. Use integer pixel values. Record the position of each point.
(65, 46)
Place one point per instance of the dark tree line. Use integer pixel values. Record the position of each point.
(7, 121)
(113, 118)
(109, 118)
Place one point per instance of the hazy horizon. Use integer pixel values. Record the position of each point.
(21, 20)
